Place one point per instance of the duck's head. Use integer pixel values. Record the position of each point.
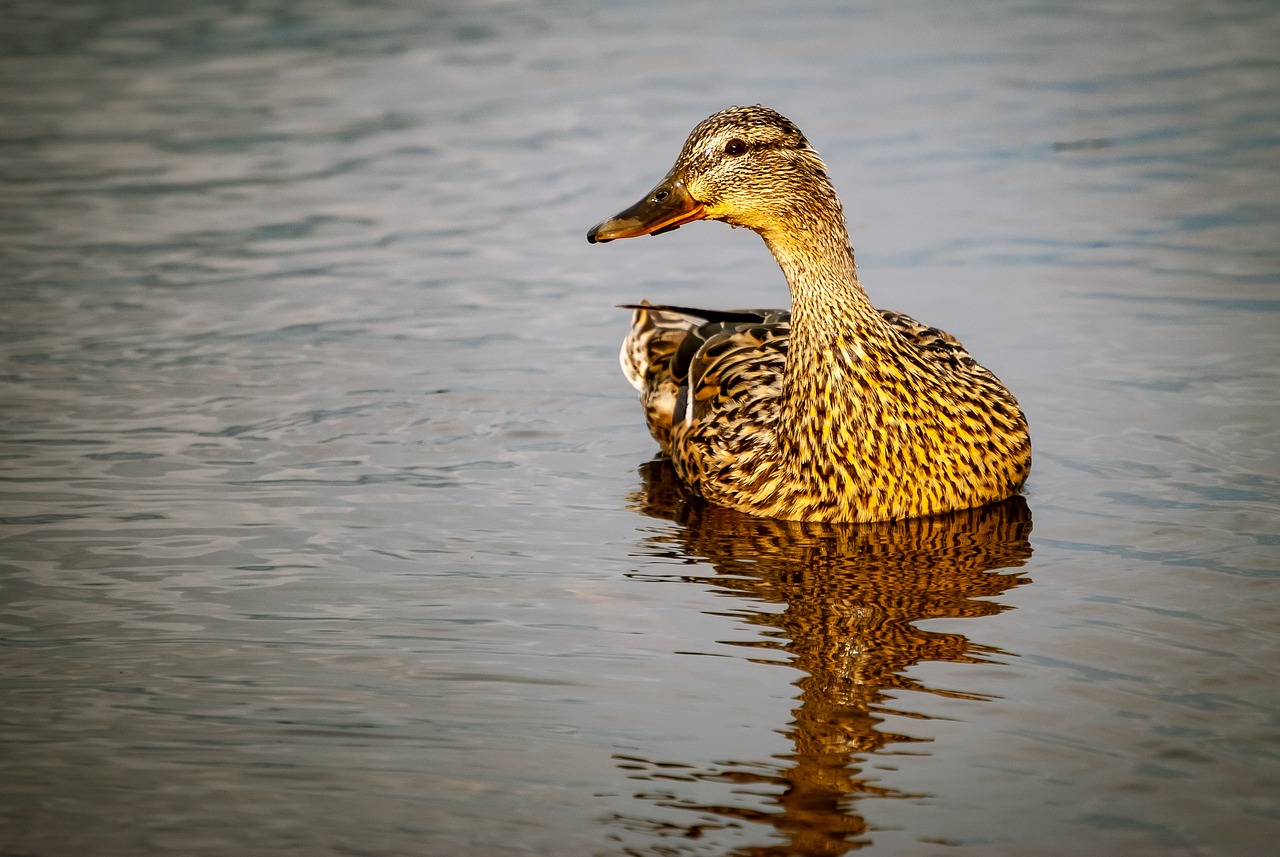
(747, 166)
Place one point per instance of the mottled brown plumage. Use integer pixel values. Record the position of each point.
(835, 411)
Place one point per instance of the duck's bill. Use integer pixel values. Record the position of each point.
(668, 206)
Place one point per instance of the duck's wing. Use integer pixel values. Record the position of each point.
(668, 345)
(731, 372)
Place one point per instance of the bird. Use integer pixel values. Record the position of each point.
(832, 411)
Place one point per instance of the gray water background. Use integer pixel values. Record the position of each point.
(322, 525)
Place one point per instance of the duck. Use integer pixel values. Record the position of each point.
(832, 411)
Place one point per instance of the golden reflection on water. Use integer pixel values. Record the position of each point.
(851, 595)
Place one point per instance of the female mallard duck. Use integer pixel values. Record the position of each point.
(833, 412)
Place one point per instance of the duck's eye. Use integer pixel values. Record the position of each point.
(735, 147)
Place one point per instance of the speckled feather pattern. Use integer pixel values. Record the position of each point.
(836, 411)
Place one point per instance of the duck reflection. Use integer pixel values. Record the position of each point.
(851, 597)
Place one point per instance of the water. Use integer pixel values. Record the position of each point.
(327, 526)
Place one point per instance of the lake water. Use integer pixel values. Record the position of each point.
(329, 525)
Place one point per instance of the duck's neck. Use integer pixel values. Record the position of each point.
(836, 334)
(831, 316)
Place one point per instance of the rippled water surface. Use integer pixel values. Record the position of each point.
(327, 526)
